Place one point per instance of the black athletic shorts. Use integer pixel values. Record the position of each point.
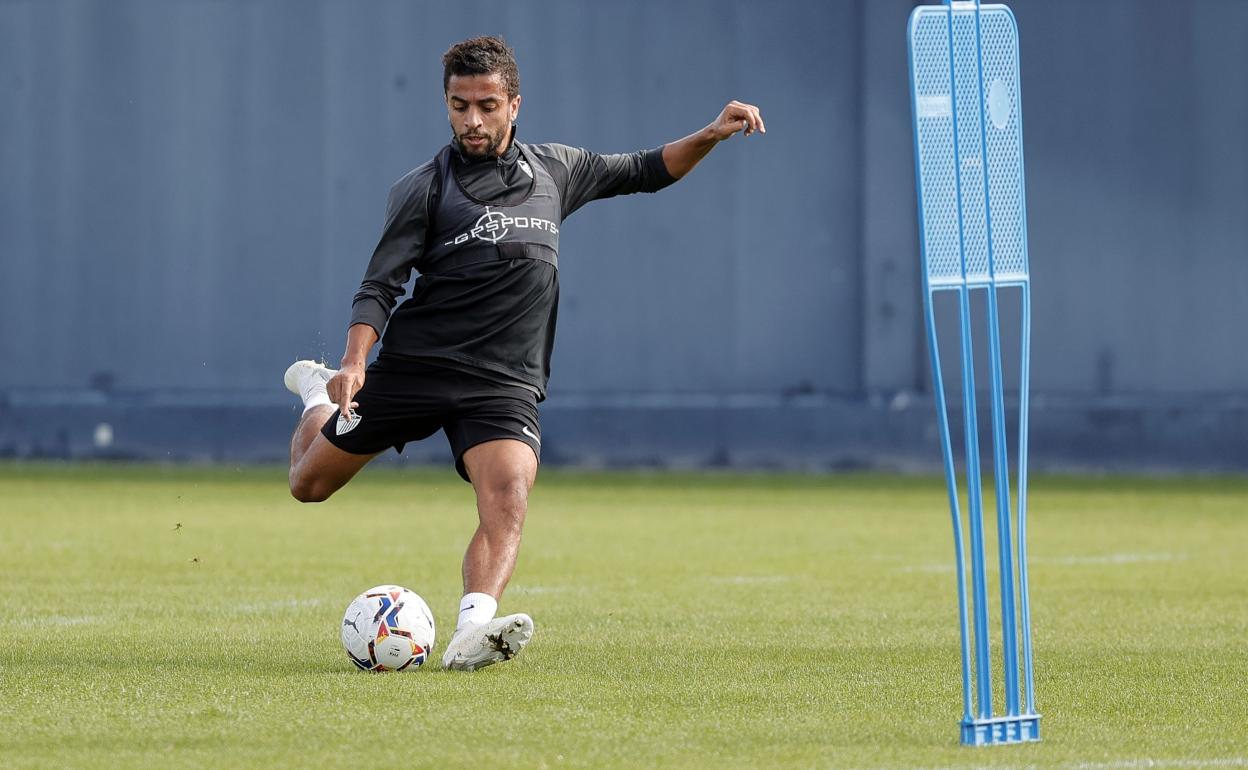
(404, 400)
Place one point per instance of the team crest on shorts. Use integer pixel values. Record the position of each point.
(346, 425)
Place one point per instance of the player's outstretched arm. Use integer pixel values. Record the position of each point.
(681, 156)
(347, 382)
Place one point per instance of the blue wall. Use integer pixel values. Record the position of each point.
(191, 191)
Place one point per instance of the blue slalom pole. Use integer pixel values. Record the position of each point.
(1024, 387)
(975, 510)
(951, 480)
(1024, 398)
(1001, 468)
(969, 243)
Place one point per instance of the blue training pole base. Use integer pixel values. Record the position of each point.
(987, 732)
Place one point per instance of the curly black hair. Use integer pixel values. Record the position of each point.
(482, 56)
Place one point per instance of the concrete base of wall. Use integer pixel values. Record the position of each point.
(809, 433)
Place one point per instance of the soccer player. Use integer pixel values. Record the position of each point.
(469, 351)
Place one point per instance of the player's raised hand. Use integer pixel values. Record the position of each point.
(738, 116)
(343, 386)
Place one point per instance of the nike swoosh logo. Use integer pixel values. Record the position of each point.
(470, 606)
(525, 430)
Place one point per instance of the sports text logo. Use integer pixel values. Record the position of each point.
(493, 226)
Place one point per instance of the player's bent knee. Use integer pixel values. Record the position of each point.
(309, 489)
(323, 470)
(309, 493)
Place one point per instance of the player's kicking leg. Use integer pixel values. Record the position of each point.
(317, 467)
(502, 473)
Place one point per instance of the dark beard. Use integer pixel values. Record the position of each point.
(490, 150)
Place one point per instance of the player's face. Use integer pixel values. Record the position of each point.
(481, 114)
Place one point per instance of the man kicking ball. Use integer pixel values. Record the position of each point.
(469, 351)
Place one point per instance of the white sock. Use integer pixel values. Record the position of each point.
(316, 399)
(312, 391)
(476, 608)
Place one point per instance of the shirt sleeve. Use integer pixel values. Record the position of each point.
(585, 176)
(401, 246)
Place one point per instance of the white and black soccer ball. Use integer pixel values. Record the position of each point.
(388, 628)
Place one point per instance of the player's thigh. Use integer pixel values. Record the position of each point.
(486, 416)
(324, 469)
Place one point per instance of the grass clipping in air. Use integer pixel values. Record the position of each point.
(189, 617)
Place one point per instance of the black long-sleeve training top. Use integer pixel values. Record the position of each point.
(484, 236)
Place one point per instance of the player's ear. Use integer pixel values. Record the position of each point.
(515, 108)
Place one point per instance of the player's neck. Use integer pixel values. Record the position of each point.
(508, 143)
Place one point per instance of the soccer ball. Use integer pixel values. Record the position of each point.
(387, 628)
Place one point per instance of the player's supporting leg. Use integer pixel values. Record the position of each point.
(317, 467)
(502, 474)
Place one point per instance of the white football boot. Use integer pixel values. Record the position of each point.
(478, 645)
(305, 378)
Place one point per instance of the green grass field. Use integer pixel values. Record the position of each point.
(189, 618)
